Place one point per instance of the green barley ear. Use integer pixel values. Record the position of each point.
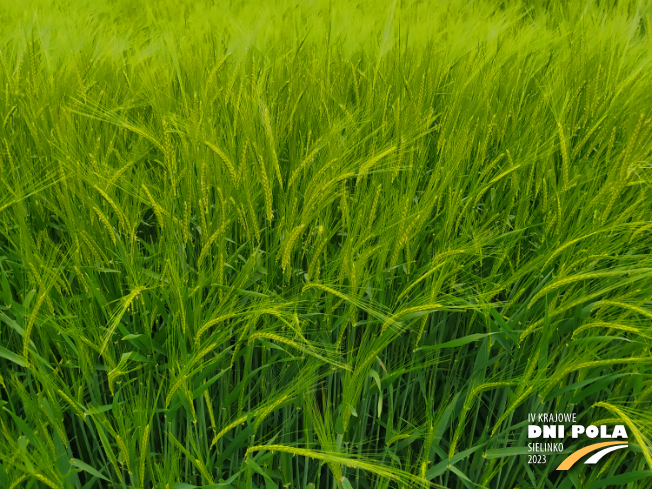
(310, 158)
(267, 190)
(610, 146)
(252, 214)
(211, 77)
(242, 218)
(144, 441)
(225, 159)
(158, 210)
(314, 262)
(401, 236)
(170, 158)
(564, 157)
(272, 144)
(242, 163)
(203, 181)
(203, 211)
(616, 190)
(116, 209)
(374, 205)
(186, 223)
(30, 325)
(205, 249)
(294, 235)
(640, 438)
(105, 222)
(625, 161)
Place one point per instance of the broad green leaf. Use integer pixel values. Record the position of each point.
(456, 343)
(622, 479)
(87, 468)
(17, 359)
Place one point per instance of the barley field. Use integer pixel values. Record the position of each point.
(323, 244)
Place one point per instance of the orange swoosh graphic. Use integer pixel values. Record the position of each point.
(575, 456)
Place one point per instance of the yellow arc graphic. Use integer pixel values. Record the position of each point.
(575, 456)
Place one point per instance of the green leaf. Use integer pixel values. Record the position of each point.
(269, 483)
(18, 359)
(346, 484)
(456, 343)
(87, 468)
(27, 431)
(200, 390)
(603, 381)
(3, 476)
(462, 455)
(134, 356)
(374, 375)
(353, 411)
(6, 290)
(12, 324)
(493, 453)
(467, 482)
(61, 454)
(132, 336)
(622, 479)
(100, 409)
(28, 299)
(339, 426)
(503, 325)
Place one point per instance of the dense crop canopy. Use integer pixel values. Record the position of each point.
(322, 244)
